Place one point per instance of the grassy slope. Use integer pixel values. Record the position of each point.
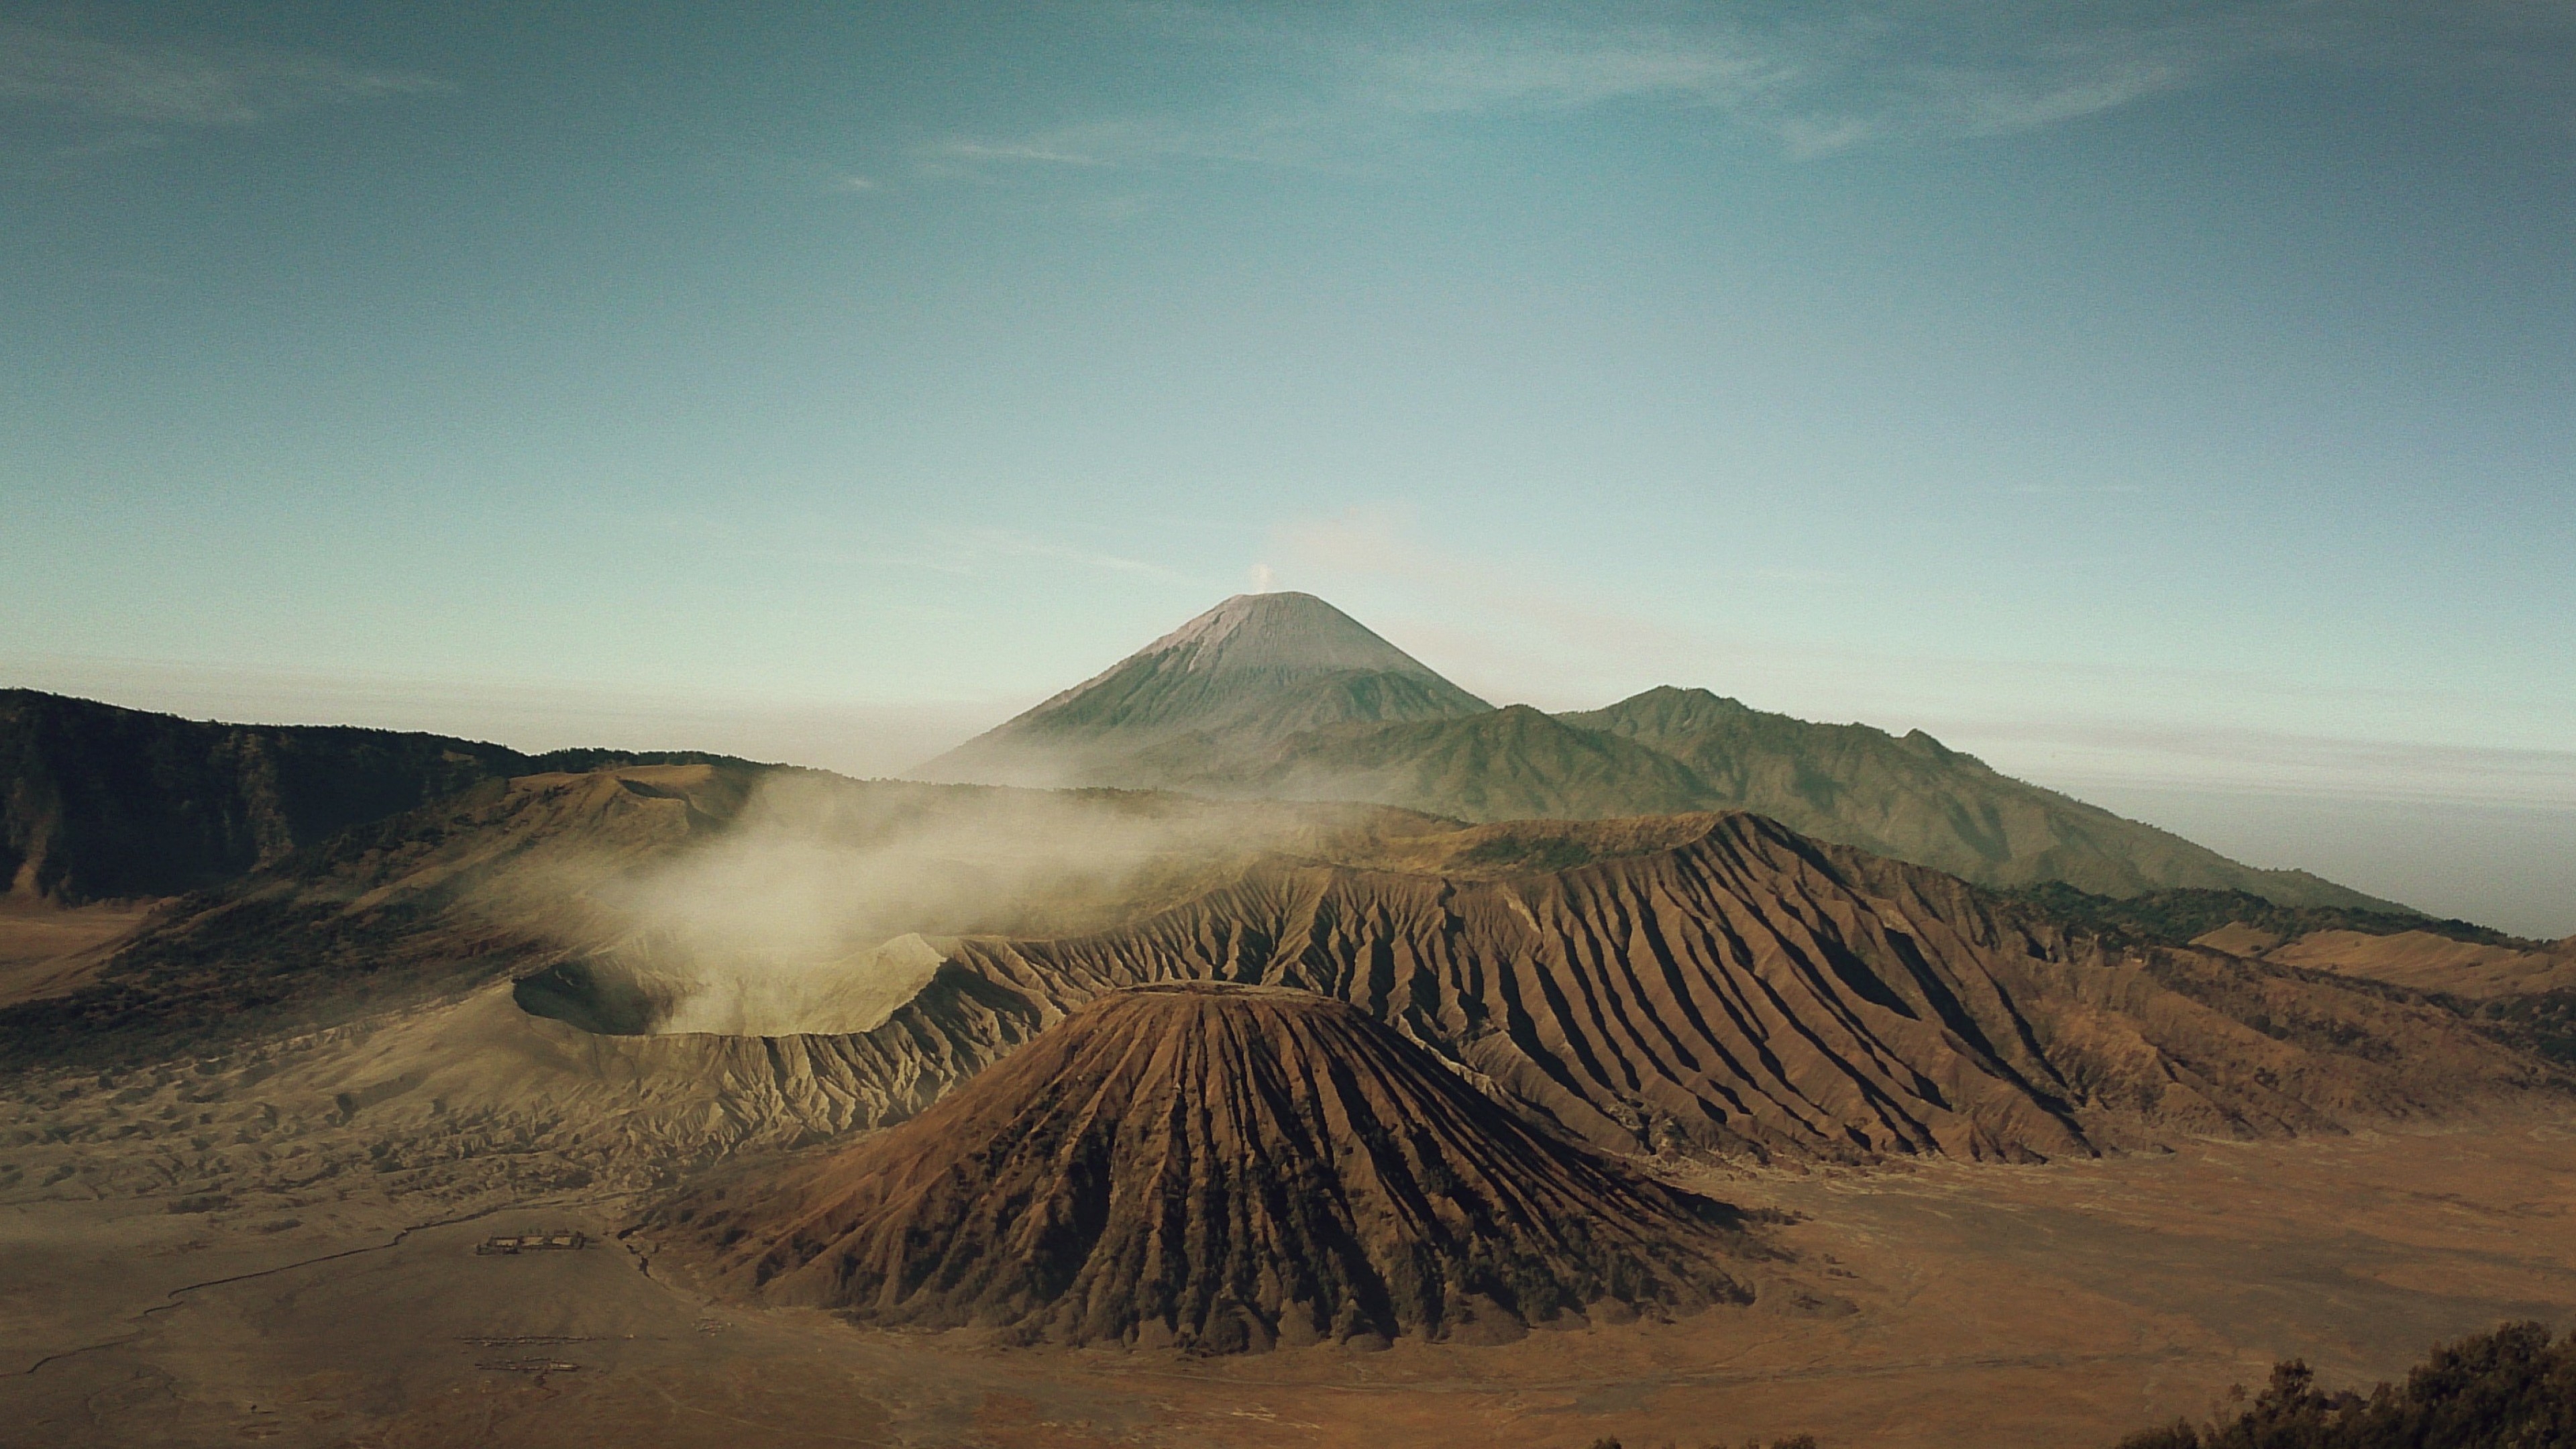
(1670, 751)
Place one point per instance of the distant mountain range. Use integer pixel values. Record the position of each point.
(1278, 696)
(1284, 696)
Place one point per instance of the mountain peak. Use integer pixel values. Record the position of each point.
(1288, 632)
(1254, 670)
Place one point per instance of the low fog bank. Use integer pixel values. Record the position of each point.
(811, 911)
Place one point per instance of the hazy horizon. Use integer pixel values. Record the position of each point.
(2172, 404)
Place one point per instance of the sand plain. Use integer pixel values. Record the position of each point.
(1989, 1305)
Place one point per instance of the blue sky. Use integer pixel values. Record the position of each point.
(2174, 403)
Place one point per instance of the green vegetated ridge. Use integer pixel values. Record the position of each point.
(2502, 1390)
(2510, 1389)
(1283, 695)
(2175, 917)
(2542, 1023)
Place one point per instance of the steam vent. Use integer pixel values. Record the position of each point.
(1220, 1168)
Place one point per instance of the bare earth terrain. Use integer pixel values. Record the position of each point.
(248, 1159)
(49, 950)
(1989, 1305)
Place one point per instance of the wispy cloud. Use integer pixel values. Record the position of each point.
(1042, 152)
(168, 86)
(1815, 78)
(1264, 138)
(2279, 761)
(2077, 490)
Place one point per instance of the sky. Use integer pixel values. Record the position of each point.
(2173, 403)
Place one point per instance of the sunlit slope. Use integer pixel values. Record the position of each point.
(1719, 982)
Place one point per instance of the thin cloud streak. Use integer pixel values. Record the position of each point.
(171, 86)
(2250, 761)
(1038, 152)
(1816, 80)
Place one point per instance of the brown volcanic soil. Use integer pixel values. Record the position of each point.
(48, 951)
(1719, 982)
(1218, 1168)
(2051, 1305)
(2046, 1307)
(2427, 962)
(1711, 982)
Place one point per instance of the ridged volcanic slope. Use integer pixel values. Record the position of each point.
(1216, 1167)
(1734, 986)
(1699, 981)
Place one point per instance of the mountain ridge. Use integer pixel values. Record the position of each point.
(102, 802)
(1316, 707)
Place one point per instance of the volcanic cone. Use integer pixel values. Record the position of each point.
(1220, 1168)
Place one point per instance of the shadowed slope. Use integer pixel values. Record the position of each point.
(383, 914)
(99, 803)
(1216, 1167)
